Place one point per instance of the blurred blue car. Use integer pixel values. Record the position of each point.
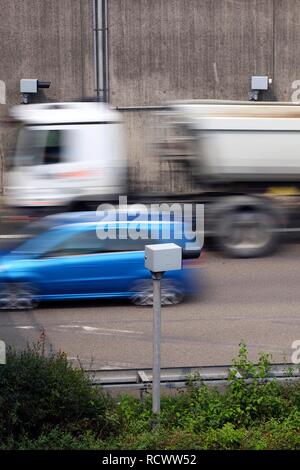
(65, 259)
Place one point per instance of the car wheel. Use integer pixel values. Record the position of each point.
(247, 233)
(172, 292)
(17, 296)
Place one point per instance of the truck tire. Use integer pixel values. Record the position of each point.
(247, 232)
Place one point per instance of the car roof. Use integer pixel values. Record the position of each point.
(89, 217)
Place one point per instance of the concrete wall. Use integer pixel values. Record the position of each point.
(286, 57)
(170, 49)
(178, 49)
(48, 40)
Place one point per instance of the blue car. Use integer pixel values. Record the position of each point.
(66, 259)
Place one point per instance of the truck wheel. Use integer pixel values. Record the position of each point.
(247, 233)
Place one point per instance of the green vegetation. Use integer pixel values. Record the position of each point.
(41, 393)
(47, 404)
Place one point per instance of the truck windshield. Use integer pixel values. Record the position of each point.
(38, 147)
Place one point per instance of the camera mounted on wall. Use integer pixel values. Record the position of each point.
(31, 86)
(259, 84)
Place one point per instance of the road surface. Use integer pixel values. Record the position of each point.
(255, 300)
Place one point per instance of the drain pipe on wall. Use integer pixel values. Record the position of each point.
(100, 29)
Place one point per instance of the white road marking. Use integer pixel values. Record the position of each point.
(89, 329)
(109, 330)
(25, 327)
(102, 333)
(119, 365)
(69, 326)
(99, 330)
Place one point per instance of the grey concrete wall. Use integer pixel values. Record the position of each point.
(49, 40)
(286, 47)
(162, 50)
(172, 49)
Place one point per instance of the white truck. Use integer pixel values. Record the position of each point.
(66, 153)
(244, 157)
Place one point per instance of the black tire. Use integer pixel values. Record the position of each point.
(17, 296)
(247, 232)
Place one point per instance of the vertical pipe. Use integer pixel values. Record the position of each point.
(100, 58)
(156, 342)
(105, 50)
(101, 49)
(96, 46)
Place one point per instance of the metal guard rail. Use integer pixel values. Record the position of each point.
(179, 377)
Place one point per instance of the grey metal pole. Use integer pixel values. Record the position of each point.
(156, 341)
(100, 14)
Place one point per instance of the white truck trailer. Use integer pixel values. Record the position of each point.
(245, 159)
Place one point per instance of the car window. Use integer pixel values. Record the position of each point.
(81, 243)
(86, 242)
(42, 243)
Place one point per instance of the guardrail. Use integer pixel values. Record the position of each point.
(180, 377)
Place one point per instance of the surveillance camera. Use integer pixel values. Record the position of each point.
(259, 83)
(30, 86)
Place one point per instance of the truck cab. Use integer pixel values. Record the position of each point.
(66, 152)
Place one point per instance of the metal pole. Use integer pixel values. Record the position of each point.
(96, 47)
(156, 342)
(101, 49)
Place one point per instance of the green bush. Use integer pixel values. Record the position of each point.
(251, 415)
(41, 392)
(47, 404)
(56, 439)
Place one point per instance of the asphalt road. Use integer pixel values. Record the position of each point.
(255, 300)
